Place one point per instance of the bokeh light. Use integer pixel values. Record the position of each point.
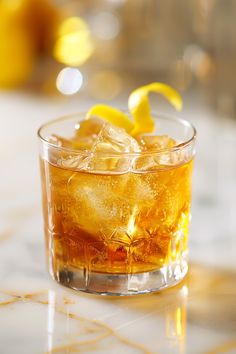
(105, 85)
(106, 25)
(69, 81)
(199, 61)
(181, 75)
(74, 44)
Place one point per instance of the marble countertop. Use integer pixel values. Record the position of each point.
(37, 316)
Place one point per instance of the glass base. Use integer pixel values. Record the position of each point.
(122, 284)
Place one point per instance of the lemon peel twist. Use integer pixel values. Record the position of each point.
(112, 115)
(139, 108)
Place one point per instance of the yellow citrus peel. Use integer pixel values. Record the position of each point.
(139, 108)
(112, 115)
(139, 105)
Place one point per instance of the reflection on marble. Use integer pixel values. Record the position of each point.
(61, 321)
(38, 316)
(63, 329)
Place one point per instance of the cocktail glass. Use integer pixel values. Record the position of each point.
(117, 223)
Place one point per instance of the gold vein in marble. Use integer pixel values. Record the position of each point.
(68, 301)
(7, 302)
(74, 346)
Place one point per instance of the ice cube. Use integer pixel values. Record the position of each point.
(113, 139)
(98, 136)
(160, 153)
(89, 127)
(86, 132)
(155, 143)
(106, 206)
(94, 206)
(60, 141)
(77, 162)
(74, 143)
(154, 162)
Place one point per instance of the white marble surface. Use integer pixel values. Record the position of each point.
(38, 316)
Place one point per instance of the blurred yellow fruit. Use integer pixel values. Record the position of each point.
(17, 52)
(16, 57)
(25, 30)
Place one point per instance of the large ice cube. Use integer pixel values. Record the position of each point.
(104, 144)
(113, 139)
(107, 207)
(107, 137)
(160, 153)
(110, 150)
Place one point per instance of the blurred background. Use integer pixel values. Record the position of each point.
(115, 45)
(61, 56)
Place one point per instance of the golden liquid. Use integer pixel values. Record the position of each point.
(126, 223)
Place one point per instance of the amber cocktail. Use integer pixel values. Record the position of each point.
(116, 208)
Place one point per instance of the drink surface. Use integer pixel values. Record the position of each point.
(116, 223)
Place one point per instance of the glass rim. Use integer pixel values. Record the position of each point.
(175, 148)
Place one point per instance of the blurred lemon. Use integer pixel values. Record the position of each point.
(17, 52)
(24, 27)
(139, 108)
(16, 58)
